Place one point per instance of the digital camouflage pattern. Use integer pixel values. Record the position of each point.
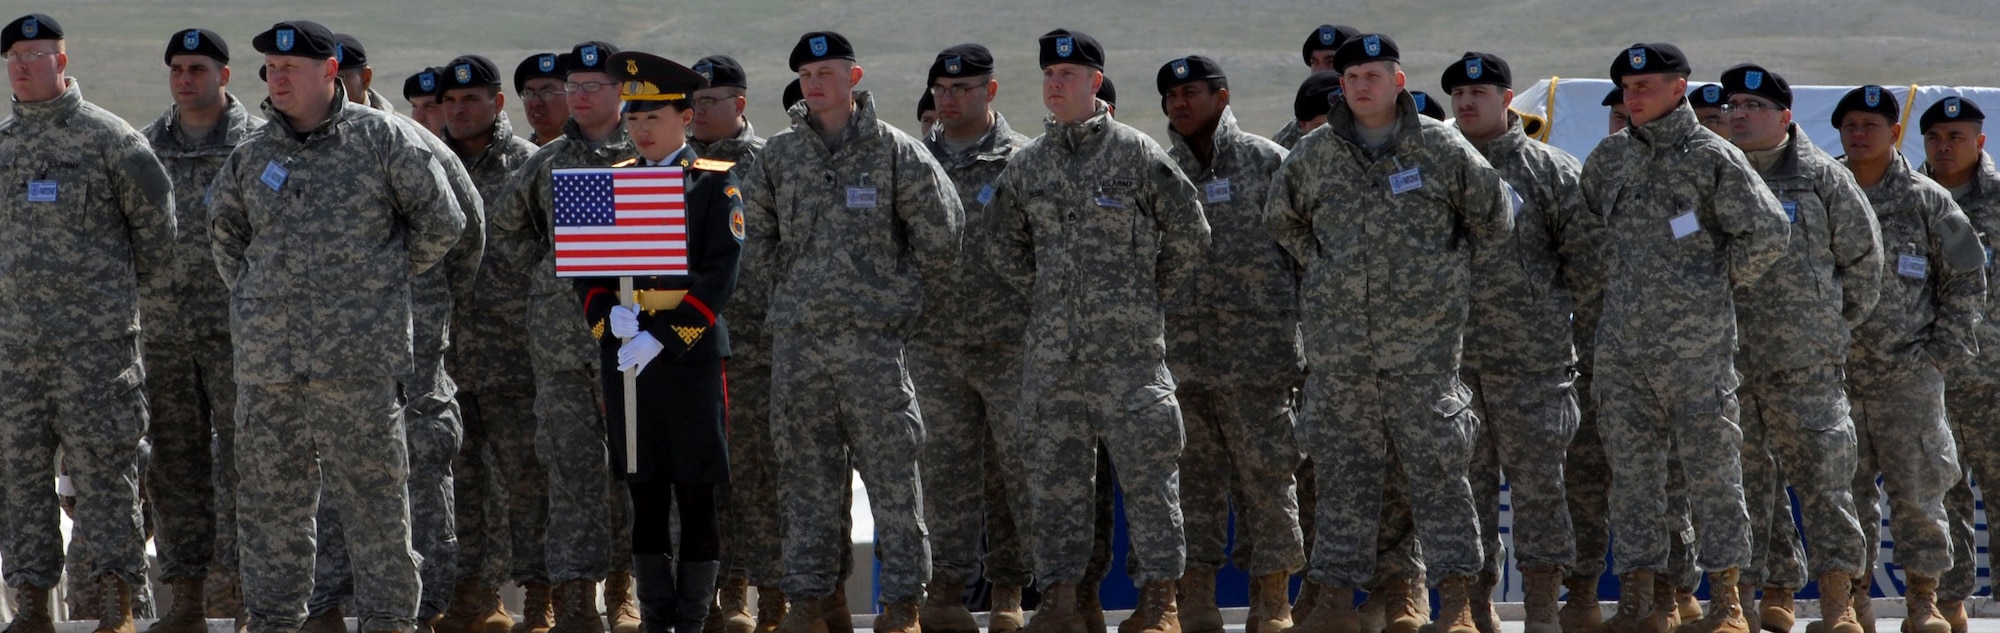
(860, 233)
(1795, 323)
(91, 231)
(1680, 220)
(1388, 232)
(569, 434)
(965, 362)
(1097, 227)
(1970, 388)
(754, 548)
(189, 363)
(1233, 347)
(1289, 135)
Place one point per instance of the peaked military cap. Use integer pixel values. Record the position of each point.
(649, 82)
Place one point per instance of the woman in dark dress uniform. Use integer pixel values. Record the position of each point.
(678, 340)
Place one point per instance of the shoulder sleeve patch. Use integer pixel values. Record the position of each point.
(707, 164)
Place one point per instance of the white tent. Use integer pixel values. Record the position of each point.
(1571, 106)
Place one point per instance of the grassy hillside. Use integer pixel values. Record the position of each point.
(116, 45)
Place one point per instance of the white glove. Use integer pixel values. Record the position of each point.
(639, 351)
(624, 322)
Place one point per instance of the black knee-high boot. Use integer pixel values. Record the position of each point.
(654, 574)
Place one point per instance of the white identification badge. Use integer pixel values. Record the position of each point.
(1216, 190)
(274, 175)
(1405, 181)
(41, 191)
(860, 197)
(1515, 196)
(1792, 211)
(1913, 266)
(1684, 225)
(986, 194)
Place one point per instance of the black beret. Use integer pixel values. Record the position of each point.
(1187, 70)
(1869, 98)
(424, 83)
(197, 42)
(1706, 96)
(722, 70)
(537, 66)
(649, 82)
(1475, 69)
(1614, 98)
(348, 51)
(588, 57)
(470, 71)
(1107, 92)
(819, 46)
(1754, 79)
(298, 38)
(1316, 95)
(1361, 49)
(1063, 46)
(925, 103)
(1950, 110)
(1427, 106)
(1645, 59)
(964, 60)
(793, 94)
(1328, 37)
(33, 26)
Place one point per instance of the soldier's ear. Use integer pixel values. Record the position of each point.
(224, 74)
(854, 75)
(1982, 140)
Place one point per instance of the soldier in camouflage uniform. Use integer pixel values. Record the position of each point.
(1795, 324)
(539, 82)
(356, 76)
(569, 436)
(1675, 212)
(91, 230)
(1386, 386)
(1233, 346)
(1954, 149)
(1095, 224)
(1924, 326)
(191, 478)
(863, 226)
(329, 215)
(965, 360)
(753, 533)
(496, 388)
(1318, 51)
(1518, 350)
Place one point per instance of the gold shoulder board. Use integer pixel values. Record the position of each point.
(706, 164)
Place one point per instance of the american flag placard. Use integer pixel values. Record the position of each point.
(626, 222)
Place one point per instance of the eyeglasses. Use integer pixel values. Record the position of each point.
(25, 57)
(588, 86)
(711, 103)
(545, 94)
(1750, 106)
(955, 92)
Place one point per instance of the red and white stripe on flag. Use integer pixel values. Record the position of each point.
(624, 222)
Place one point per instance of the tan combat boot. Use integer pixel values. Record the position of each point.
(1332, 613)
(537, 612)
(1158, 610)
(1920, 599)
(1405, 605)
(1836, 604)
(31, 611)
(621, 613)
(835, 612)
(1581, 611)
(457, 616)
(732, 608)
(116, 596)
(1308, 599)
(1454, 614)
(1777, 611)
(1090, 606)
(902, 617)
(1725, 608)
(943, 610)
(333, 621)
(491, 615)
(576, 608)
(1752, 616)
(770, 609)
(1058, 612)
(1541, 585)
(805, 616)
(1685, 606)
(1864, 602)
(185, 614)
(1479, 601)
(1666, 607)
(1198, 613)
(1635, 606)
(1007, 615)
(1270, 612)
(1953, 612)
